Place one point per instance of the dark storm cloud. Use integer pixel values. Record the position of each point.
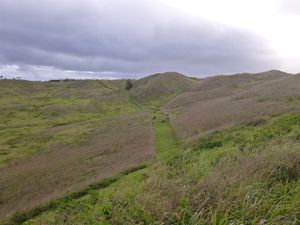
(132, 37)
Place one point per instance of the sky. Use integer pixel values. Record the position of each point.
(105, 39)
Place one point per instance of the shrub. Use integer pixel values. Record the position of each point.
(129, 85)
(209, 143)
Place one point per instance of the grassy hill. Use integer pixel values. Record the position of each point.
(227, 150)
(224, 101)
(243, 175)
(156, 89)
(62, 136)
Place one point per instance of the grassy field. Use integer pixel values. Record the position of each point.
(172, 150)
(245, 175)
(58, 137)
(41, 112)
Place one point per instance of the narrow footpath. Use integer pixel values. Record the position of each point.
(165, 140)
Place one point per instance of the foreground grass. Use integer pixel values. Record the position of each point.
(89, 190)
(245, 175)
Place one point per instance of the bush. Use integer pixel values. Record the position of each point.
(129, 85)
(209, 143)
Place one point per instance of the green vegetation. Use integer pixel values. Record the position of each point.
(129, 85)
(220, 102)
(245, 175)
(59, 137)
(35, 116)
(52, 205)
(166, 144)
(155, 90)
(82, 152)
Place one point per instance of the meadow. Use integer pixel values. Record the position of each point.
(248, 174)
(169, 150)
(58, 137)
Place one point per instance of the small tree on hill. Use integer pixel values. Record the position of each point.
(129, 85)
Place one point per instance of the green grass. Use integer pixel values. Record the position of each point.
(35, 115)
(165, 141)
(158, 89)
(72, 198)
(248, 174)
(93, 205)
(245, 175)
(96, 206)
(59, 137)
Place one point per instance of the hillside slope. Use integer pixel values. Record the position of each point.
(227, 151)
(243, 175)
(158, 88)
(57, 137)
(222, 86)
(220, 102)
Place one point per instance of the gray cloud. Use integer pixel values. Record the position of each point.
(120, 37)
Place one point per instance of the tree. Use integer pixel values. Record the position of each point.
(129, 85)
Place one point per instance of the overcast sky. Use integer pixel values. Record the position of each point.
(51, 39)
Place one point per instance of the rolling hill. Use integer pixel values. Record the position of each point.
(157, 89)
(224, 101)
(171, 150)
